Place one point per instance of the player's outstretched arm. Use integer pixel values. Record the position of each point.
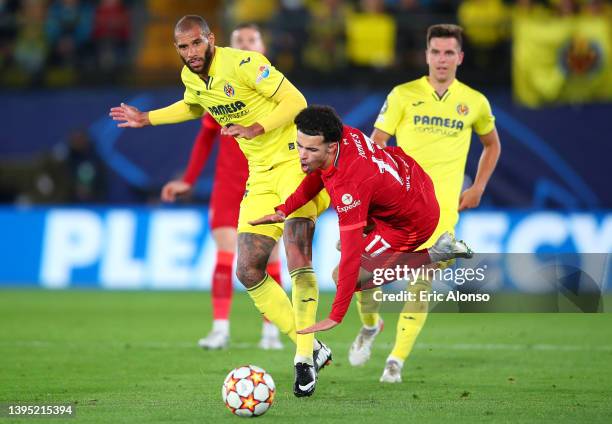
(173, 189)
(274, 218)
(326, 324)
(348, 272)
(129, 116)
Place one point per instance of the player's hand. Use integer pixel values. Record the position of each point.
(173, 189)
(274, 218)
(470, 198)
(239, 131)
(129, 116)
(326, 324)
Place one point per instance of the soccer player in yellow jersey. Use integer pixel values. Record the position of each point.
(432, 119)
(256, 105)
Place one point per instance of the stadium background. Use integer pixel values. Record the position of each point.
(79, 197)
(79, 210)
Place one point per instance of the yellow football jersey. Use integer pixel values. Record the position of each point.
(436, 131)
(238, 91)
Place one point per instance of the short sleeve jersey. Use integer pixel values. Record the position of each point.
(436, 130)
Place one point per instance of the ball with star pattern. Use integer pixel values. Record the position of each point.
(248, 391)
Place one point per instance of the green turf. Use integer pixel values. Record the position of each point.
(131, 357)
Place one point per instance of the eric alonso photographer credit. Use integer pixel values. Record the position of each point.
(403, 272)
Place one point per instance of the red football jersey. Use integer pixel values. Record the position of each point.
(371, 185)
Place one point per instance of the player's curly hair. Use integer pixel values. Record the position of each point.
(320, 120)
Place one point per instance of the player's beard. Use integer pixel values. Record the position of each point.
(208, 54)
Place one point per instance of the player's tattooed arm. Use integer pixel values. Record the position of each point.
(253, 253)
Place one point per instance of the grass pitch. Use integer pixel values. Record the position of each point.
(131, 357)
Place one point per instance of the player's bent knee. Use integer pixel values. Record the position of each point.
(253, 253)
(249, 277)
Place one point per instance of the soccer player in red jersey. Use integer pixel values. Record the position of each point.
(380, 188)
(231, 174)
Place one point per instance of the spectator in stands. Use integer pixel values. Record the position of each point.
(371, 34)
(326, 47)
(31, 48)
(289, 34)
(111, 34)
(412, 20)
(598, 8)
(69, 25)
(8, 30)
(529, 8)
(566, 7)
(487, 34)
(240, 11)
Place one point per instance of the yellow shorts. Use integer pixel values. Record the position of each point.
(268, 189)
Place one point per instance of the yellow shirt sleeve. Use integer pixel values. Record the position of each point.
(289, 101)
(390, 114)
(257, 73)
(175, 113)
(485, 121)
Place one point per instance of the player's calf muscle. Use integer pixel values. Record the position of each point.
(298, 242)
(253, 253)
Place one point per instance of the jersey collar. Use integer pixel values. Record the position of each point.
(213, 66)
(451, 88)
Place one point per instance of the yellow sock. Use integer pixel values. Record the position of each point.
(305, 297)
(366, 307)
(410, 322)
(273, 302)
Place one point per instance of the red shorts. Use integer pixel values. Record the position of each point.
(231, 174)
(384, 246)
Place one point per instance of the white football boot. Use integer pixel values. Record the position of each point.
(218, 338)
(321, 355)
(361, 349)
(392, 372)
(447, 248)
(270, 337)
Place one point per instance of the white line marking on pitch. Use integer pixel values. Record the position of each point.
(242, 345)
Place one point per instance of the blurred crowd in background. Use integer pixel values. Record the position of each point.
(57, 43)
(363, 44)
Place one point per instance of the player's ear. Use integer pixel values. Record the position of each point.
(211, 38)
(460, 58)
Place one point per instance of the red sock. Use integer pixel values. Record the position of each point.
(274, 271)
(222, 285)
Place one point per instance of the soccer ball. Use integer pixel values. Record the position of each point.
(248, 391)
